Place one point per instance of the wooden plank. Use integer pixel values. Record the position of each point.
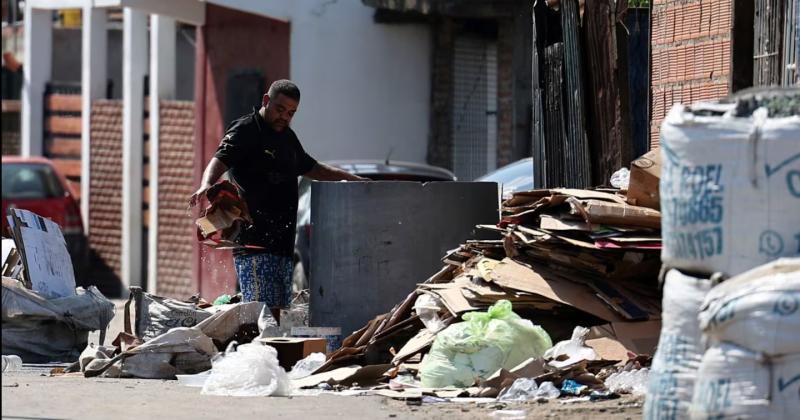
(608, 123)
(63, 125)
(63, 102)
(64, 147)
(68, 167)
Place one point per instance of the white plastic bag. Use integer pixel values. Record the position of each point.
(252, 370)
(575, 349)
(307, 366)
(730, 188)
(674, 370)
(621, 179)
(629, 381)
(736, 383)
(525, 389)
(758, 310)
(428, 307)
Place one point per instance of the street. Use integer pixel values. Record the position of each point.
(33, 394)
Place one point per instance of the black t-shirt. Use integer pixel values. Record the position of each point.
(265, 164)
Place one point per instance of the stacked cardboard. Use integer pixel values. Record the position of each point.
(563, 257)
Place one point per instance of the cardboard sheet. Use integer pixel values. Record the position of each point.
(512, 275)
(345, 376)
(47, 262)
(637, 337)
(603, 212)
(419, 342)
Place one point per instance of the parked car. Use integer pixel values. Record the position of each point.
(34, 184)
(516, 176)
(373, 169)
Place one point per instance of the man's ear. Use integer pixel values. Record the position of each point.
(265, 100)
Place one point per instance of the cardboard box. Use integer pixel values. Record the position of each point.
(645, 175)
(292, 349)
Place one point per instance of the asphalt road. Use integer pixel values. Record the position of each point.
(33, 394)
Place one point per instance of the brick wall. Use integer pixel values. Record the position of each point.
(105, 194)
(175, 228)
(690, 53)
(62, 135)
(505, 93)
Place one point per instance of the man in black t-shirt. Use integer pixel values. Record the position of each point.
(264, 157)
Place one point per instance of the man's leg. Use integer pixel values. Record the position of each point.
(278, 283)
(265, 278)
(247, 271)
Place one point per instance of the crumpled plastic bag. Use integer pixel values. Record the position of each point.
(575, 349)
(428, 307)
(621, 179)
(525, 389)
(307, 366)
(479, 346)
(250, 371)
(629, 382)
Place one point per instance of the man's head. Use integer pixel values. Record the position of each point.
(280, 103)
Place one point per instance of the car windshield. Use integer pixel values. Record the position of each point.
(517, 176)
(30, 181)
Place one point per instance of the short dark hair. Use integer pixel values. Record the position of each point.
(284, 87)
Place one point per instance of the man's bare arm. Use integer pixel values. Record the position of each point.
(213, 171)
(323, 172)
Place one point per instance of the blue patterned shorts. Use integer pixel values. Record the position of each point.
(265, 278)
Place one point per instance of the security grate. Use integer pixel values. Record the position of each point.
(474, 107)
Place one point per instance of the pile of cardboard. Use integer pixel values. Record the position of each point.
(563, 257)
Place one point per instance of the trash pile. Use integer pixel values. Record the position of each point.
(45, 318)
(563, 258)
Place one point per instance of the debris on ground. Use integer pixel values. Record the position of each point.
(45, 318)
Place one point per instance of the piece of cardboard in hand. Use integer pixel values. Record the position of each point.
(224, 218)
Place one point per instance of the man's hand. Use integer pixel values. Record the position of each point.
(200, 193)
(323, 172)
(213, 171)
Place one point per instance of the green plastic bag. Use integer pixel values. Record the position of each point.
(479, 346)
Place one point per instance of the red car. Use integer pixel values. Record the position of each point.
(34, 184)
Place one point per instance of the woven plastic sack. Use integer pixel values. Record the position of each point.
(735, 383)
(479, 346)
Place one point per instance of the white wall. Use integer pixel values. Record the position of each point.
(365, 86)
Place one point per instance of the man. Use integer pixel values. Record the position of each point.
(264, 157)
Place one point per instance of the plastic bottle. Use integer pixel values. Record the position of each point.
(11, 363)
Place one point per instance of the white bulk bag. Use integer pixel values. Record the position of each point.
(758, 310)
(675, 363)
(736, 383)
(730, 190)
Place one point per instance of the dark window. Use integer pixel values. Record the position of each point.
(243, 91)
(30, 181)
